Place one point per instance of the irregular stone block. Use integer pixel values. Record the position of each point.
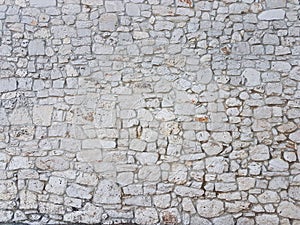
(89, 214)
(289, 210)
(19, 162)
(28, 200)
(89, 155)
(107, 192)
(268, 197)
(5, 50)
(79, 191)
(108, 22)
(188, 191)
(278, 165)
(20, 116)
(36, 47)
(146, 216)
(56, 163)
(8, 190)
(204, 75)
(8, 84)
(51, 208)
(273, 14)
(42, 3)
(133, 9)
(276, 3)
(259, 153)
(267, 219)
(63, 31)
(42, 115)
(3, 116)
(56, 185)
(114, 6)
(210, 208)
(6, 215)
(149, 173)
(295, 137)
(251, 77)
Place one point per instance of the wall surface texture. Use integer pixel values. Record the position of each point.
(150, 112)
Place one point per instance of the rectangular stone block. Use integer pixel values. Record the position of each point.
(42, 3)
(42, 115)
(8, 84)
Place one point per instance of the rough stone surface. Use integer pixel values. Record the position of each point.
(157, 112)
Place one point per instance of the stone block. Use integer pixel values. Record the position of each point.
(108, 22)
(273, 14)
(107, 192)
(36, 47)
(8, 84)
(210, 208)
(42, 3)
(42, 115)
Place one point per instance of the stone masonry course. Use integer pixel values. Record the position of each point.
(150, 112)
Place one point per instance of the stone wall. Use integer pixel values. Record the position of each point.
(150, 111)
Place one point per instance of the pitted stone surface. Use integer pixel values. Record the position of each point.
(150, 112)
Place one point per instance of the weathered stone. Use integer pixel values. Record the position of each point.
(188, 191)
(5, 50)
(259, 153)
(8, 84)
(8, 190)
(28, 200)
(6, 215)
(276, 3)
(229, 220)
(107, 192)
(56, 185)
(89, 155)
(273, 14)
(146, 216)
(278, 165)
(245, 183)
(89, 214)
(288, 210)
(42, 115)
(204, 75)
(51, 208)
(149, 173)
(52, 163)
(42, 3)
(102, 49)
(268, 197)
(210, 208)
(108, 22)
(133, 9)
(267, 219)
(36, 47)
(251, 77)
(19, 162)
(212, 148)
(114, 6)
(79, 191)
(3, 117)
(215, 164)
(294, 192)
(295, 136)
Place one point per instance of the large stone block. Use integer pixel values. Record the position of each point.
(36, 47)
(107, 192)
(42, 3)
(108, 22)
(8, 84)
(42, 115)
(210, 208)
(273, 14)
